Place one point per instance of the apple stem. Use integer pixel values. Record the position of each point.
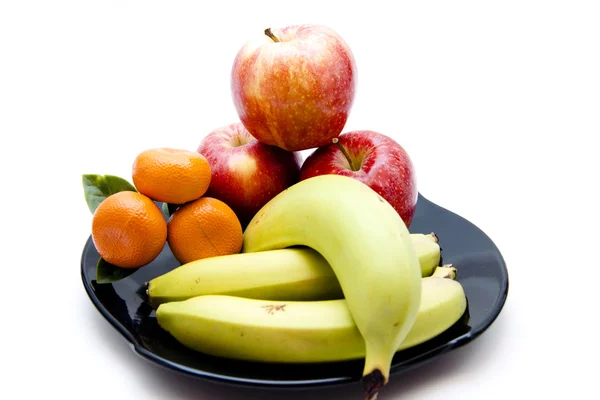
(336, 141)
(270, 34)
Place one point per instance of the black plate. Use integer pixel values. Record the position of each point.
(481, 271)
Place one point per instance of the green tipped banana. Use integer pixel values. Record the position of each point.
(285, 274)
(300, 332)
(369, 249)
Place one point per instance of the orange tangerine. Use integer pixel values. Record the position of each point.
(206, 227)
(171, 175)
(128, 229)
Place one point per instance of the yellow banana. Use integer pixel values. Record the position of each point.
(369, 249)
(285, 274)
(300, 331)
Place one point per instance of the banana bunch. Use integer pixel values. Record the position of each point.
(328, 271)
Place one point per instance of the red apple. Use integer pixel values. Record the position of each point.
(374, 159)
(294, 87)
(246, 174)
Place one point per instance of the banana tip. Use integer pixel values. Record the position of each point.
(450, 271)
(372, 383)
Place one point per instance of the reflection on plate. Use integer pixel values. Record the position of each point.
(481, 271)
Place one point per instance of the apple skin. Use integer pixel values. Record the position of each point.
(384, 166)
(296, 93)
(246, 174)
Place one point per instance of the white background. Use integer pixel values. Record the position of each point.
(498, 104)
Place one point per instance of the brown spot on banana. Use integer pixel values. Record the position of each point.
(272, 308)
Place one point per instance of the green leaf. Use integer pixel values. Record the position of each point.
(168, 209)
(165, 210)
(98, 187)
(109, 273)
